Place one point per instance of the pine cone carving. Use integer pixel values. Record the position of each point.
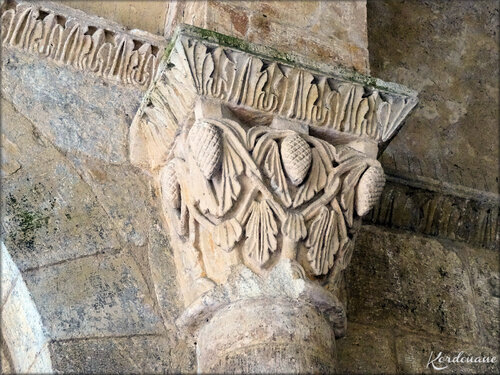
(205, 141)
(170, 188)
(369, 189)
(296, 156)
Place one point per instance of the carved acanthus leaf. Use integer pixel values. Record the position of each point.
(201, 65)
(315, 181)
(274, 170)
(323, 241)
(241, 78)
(294, 227)
(227, 234)
(348, 189)
(261, 231)
(227, 186)
(111, 54)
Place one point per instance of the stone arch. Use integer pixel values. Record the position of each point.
(24, 345)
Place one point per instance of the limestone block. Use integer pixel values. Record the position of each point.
(457, 82)
(10, 274)
(402, 280)
(483, 266)
(125, 194)
(414, 353)
(10, 153)
(263, 169)
(42, 362)
(438, 209)
(5, 365)
(80, 114)
(94, 296)
(332, 49)
(164, 276)
(49, 213)
(24, 339)
(133, 354)
(67, 36)
(366, 350)
(148, 15)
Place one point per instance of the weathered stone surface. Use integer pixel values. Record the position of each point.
(324, 31)
(396, 269)
(49, 213)
(163, 275)
(137, 354)
(401, 280)
(43, 362)
(295, 338)
(80, 113)
(146, 15)
(5, 365)
(366, 350)
(99, 295)
(443, 211)
(21, 324)
(484, 271)
(10, 153)
(414, 353)
(10, 274)
(124, 192)
(448, 51)
(23, 340)
(259, 216)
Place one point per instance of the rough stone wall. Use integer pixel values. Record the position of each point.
(324, 31)
(143, 15)
(82, 224)
(84, 228)
(409, 294)
(448, 51)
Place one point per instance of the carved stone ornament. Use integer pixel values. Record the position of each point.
(68, 36)
(264, 170)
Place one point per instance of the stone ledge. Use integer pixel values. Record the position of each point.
(428, 207)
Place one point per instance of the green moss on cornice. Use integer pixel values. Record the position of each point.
(291, 59)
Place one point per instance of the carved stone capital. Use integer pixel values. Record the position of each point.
(264, 170)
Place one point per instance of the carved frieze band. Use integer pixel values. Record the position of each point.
(315, 99)
(334, 104)
(473, 219)
(112, 54)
